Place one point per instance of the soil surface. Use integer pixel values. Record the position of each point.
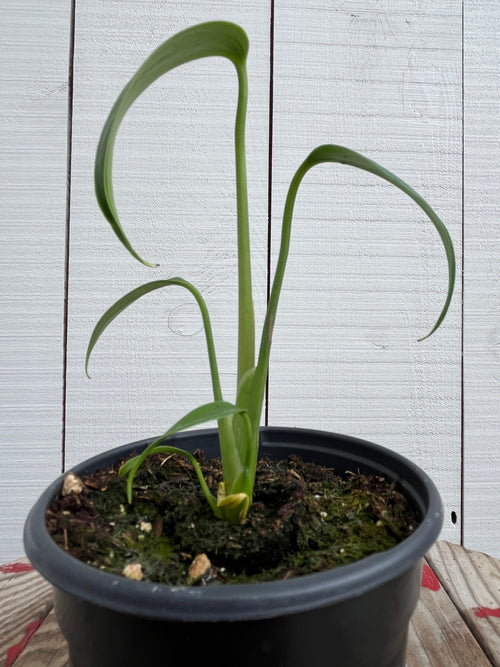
(304, 519)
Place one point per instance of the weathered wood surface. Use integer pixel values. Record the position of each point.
(47, 647)
(439, 634)
(472, 580)
(26, 602)
(456, 624)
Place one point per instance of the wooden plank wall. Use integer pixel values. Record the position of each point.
(482, 262)
(366, 274)
(34, 47)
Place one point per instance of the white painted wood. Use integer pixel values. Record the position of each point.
(367, 273)
(34, 43)
(383, 77)
(175, 190)
(482, 282)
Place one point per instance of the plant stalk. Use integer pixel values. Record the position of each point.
(246, 323)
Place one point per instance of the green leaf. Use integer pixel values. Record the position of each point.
(135, 294)
(132, 465)
(200, 415)
(204, 413)
(216, 38)
(338, 154)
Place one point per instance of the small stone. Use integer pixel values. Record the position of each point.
(145, 526)
(72, 484)
(133, 571)
(199, 567)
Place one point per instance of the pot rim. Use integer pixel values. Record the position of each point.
(246, 601)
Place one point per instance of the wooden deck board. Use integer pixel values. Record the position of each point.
(438, 634)
(457, 621)
(26, 600)
(472, 580)
(47, 647)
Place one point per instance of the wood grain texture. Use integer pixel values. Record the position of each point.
(26, 601)
(439, 636)
(34, 47)
(367, 273)
(482, 281)
(47, 647)
(175, 190)
(472, 580)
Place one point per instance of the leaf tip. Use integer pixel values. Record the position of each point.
(151, 265)
(420, 340)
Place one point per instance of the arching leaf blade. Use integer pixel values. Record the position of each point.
(125, 301)
(335, 154)
(204, 413)
(342, 155)
(216, 38)
(215, 410)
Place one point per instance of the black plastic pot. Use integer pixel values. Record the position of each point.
(354, 616)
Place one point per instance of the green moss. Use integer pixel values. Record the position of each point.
(304, 519)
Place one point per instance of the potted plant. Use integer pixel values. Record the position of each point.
(356, 614)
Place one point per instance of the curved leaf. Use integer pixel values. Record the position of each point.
(342, 155)
(216, 38)
(135, 294)
(200, 415)
(330, 153)
(166, 449)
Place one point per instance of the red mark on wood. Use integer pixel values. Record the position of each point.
(15, 651)
(482, 612)
(16, 568)
(429, 579)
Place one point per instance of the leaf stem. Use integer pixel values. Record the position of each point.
(246, 323)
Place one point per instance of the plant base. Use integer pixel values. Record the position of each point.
(304, 519)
